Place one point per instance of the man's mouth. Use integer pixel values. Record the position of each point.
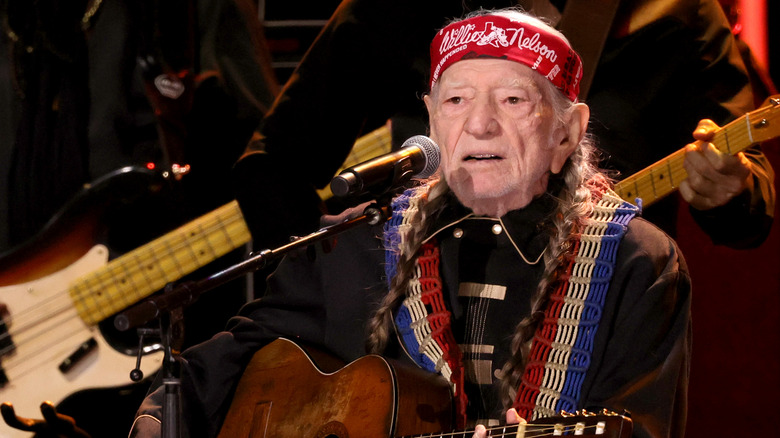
(481, 157)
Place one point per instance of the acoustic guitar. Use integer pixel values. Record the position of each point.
(288, 391)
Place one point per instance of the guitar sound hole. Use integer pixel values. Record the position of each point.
(333, 429)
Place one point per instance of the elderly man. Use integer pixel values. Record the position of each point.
(516, 274)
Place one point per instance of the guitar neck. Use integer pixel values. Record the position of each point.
(665, 176)
(139, 273)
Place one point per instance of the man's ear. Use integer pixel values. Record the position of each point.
(576, 126)
(429, 106)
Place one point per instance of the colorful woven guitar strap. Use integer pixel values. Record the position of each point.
(562, 345)
(423, 321)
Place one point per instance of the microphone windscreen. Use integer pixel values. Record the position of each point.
(431, 151)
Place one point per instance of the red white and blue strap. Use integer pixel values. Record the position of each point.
(423, 321)
(563, 344)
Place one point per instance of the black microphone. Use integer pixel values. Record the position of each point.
(418, 157)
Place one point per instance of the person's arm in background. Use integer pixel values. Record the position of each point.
(663, 70)
(731, 196)
(349, 81)
(368, 64)
(742, 218)
(235, 88)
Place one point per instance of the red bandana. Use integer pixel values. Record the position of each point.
(500, 37)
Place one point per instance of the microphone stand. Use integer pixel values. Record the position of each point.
(184, 294)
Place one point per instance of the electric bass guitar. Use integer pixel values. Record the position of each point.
(288, 391)
(61, 287)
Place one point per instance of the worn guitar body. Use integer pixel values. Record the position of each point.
(290, 392)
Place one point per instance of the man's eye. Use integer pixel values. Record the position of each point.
(454, 99)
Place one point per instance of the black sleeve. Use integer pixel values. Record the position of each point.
(642, 352)
(234, 89)
(321, 294)
(745, 221)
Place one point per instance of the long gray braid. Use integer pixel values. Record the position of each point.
(380, 325)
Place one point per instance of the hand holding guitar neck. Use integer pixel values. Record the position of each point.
(714, 178)
(667, 175)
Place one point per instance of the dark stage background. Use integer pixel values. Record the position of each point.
(735, 371)
(735, 374)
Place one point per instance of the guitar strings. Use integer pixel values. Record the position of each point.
(366, 147)
(536, 430)
(146, 266)
(370, 146)
(109, 277)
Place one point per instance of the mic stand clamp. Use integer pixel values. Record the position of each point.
(169, 331)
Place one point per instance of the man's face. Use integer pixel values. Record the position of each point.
(497, 133)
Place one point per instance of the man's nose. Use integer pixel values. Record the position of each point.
(482, 119)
